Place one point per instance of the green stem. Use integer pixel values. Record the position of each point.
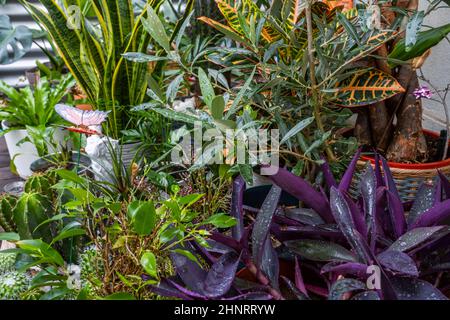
(312, 73)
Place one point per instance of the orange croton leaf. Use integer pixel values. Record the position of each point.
(365, 88)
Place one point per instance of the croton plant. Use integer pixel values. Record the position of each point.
(368, 246)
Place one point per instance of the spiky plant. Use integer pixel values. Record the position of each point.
(13, 284)
(7, 204)
(7, 262)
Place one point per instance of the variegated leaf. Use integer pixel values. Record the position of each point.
(365, 88)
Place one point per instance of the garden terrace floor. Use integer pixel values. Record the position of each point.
(6, 176)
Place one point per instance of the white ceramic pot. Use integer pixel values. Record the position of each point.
(99, 150)
(26, 153)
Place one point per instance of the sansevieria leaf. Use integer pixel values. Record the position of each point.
(365, 88)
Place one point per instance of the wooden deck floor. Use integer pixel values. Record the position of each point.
(5, 173)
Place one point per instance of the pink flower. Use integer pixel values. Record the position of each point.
(423, 92)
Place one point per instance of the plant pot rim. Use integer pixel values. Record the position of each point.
(5, 125)
(415, 166)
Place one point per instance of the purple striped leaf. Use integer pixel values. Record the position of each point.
(368, 188)
(397, 214)
(434, 216)
(344, 219)
(328, 175)
(425, 200)
(221, 275)
(398, 262)
(346, 180)
(353, 268)
(237, 211)
(262, 224)
(303, 191)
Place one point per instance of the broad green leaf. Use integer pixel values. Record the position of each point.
(155, 28)
(148, 262)
(425, 40)
(70, 233)
(187, 254)
(143, 217)
(9, 236)
(142, 57)
(221, 221)
(218, 107)
(206, 87)
(412, 29)
(71, 176)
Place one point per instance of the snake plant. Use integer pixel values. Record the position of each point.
(91, 39)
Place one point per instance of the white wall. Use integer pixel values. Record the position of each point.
(437, 70)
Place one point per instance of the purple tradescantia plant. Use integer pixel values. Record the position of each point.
(332, 245)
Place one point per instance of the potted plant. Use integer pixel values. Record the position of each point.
(29, 121)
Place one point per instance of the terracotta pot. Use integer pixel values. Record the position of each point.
(409, 176)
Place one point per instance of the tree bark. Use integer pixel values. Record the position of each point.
(362, 129)
(409, 144)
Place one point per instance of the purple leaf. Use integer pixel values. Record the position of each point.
(328, 175)
(189, 271)
(299, 283)
(398, 262)
(424, 201)
(186, 291)
(367, 295)
(319, 250)
(221, 275)
(294, 232)
(397, 215)
(165, 289)
(353, 268)
(258, 296)
(304, 215)
(438, 196)
(340, 287)
(357, 216)
(378, 175)
(237, 211)
(434, 216)
(303, 191)
(262, 224)
(346, 180)
(344, 219)
(368, 189)
(389, 179)
(294, 290)
(415, 289)
(226, 241)
(445, 184)
(414, 238)
(270, 265)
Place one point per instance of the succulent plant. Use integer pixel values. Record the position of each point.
(13, 284)
(7, 204)
(41, 183)
(31, 211)
(7, 262)
(91, 266)
(336, 247)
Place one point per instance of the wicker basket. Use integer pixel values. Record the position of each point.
(408, 177)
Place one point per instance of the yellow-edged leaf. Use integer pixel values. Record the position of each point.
(365, 88)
